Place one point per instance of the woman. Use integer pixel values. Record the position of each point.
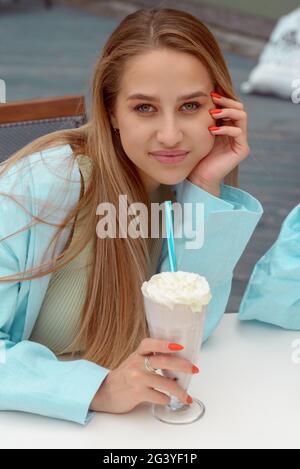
(83, 299)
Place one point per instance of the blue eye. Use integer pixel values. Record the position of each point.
(137, 108)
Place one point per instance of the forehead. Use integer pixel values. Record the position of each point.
(164, 70)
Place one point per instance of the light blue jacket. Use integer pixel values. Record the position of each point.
(32, 379)
(273, 292)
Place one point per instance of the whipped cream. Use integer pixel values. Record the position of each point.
(170, 288)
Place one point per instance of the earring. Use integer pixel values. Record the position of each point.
(116, 130)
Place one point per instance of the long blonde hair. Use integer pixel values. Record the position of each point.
(113, 318)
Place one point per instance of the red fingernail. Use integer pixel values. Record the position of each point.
(213, 128)
(189, 400)
(215, 111)
(195, 369)
(173, 346)
(215, 95)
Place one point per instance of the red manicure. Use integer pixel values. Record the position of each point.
(215, 95)
(213, 128)
(215, 111)
(173, 346)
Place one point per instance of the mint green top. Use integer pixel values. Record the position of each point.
(59, 317)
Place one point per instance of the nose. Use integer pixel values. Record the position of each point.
(169, 134)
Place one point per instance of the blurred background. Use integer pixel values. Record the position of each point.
(48, 48)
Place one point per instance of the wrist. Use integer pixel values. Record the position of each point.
(94, 405)
(100, 398)
(213, 188)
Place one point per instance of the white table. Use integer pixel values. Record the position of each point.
(248, 382)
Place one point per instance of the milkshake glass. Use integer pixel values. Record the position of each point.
(175, 307)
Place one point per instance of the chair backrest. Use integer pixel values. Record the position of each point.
(21, 122)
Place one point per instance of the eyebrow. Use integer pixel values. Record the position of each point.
(196, 94)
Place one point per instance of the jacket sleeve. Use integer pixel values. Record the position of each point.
(273, 291)
(216, 242)
(32, 379)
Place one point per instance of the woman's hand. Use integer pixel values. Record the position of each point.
(131, 384)
(230, 147)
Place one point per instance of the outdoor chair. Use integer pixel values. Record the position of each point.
(21, 122)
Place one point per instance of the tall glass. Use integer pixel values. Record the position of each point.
(183, 326)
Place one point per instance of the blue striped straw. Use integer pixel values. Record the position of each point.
(170, 236)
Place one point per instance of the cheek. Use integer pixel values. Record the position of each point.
(210, 142)
(204, 143)
(134, 137)
(200, 127)
(202, 135)
(130, 139)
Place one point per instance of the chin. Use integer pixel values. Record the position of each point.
(172, 180)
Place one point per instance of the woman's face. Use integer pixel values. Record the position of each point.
(166, 122)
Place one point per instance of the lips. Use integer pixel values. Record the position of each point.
(169, 153)
(170, 159)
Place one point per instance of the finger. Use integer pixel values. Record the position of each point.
(149, 345)
(235, 132)
(156, 397)
(226, 130)
(165, 384)
(234, 115)
(173, 363)
(227, 102)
